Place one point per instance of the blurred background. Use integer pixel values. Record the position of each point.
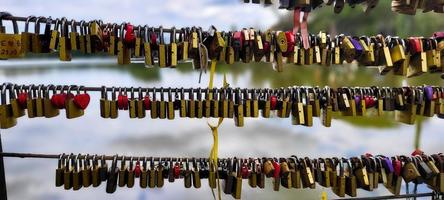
(34, 178)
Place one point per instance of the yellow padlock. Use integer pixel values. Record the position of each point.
(7, 120)
(10, 44)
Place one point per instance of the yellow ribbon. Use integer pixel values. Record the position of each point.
(214, 149)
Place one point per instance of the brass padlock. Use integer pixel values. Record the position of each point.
(27, 36)
(31, 102)
(159, 174)
(199, 104)
(95, 172)
(162, 105)
(132, 104)
(172, 49)
(77, 174)
(144, 174)
(154, 105)
(266, 100)
(238, 109)
(73, 36)
(36, 37)
(162, 49)
(152, 175)
(123, 52)
(207, 103)
(105, 104)
(113, 40)
(182, 104)
(53, 43)
(149, 61)
(183, 44)
(82, 37)
(16, 107)
(248, 103)
(130, 174)
(113, 110)
(60, 170)
(141, 110)
(123, 173)
(68, 172)
(88, 40)
(191, 104)
(72, 110)
(39, 110)
(11, 44)
(397, 50)
(86, 172)
(196, 174)
(64, 42)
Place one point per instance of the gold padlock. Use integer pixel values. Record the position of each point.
(162, 49)
(27, 36)
(64, 42)
(149, 62)
(72, 111)
(74, 36)
(7, 120)
(10, 44)
(53, 43)
(17, 109)
(123, 52)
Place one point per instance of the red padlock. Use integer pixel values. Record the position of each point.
(153, 37)
(22, 98)
(397, 167)
(415, 45)
(273, 102)
(58, 100)
(122, 100)
(237, 37)
(266, 47)
(82, 100)
(137, 169)
(244, 171)
(176, 170)
(130, 37)
(290, 44)
(277, 169)
(147, 102)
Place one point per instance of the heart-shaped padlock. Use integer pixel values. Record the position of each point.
(82, 100)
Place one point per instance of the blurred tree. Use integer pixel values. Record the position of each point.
(381, 19)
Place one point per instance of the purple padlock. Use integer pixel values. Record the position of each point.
(428, 92)
(357, 100)
(389, 165)
(357, 45)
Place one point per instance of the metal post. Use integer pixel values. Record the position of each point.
(3, 194)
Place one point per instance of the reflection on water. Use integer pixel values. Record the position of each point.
(33, 179)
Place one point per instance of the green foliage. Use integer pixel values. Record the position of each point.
(381, 19)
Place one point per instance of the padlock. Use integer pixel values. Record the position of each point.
(10, 44)
(64, 42)
(16, 108)
(72, 110)
(60, 170)
(111, 182)
(172, 49)
(67, 173)
(123, 52)
(39, 110)
(74, 36)
(77, 174)
(27, 36)
(86, 172)
(141, 110)
(149, 61)
(82, 37)
(162, 49)
(54, 41)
